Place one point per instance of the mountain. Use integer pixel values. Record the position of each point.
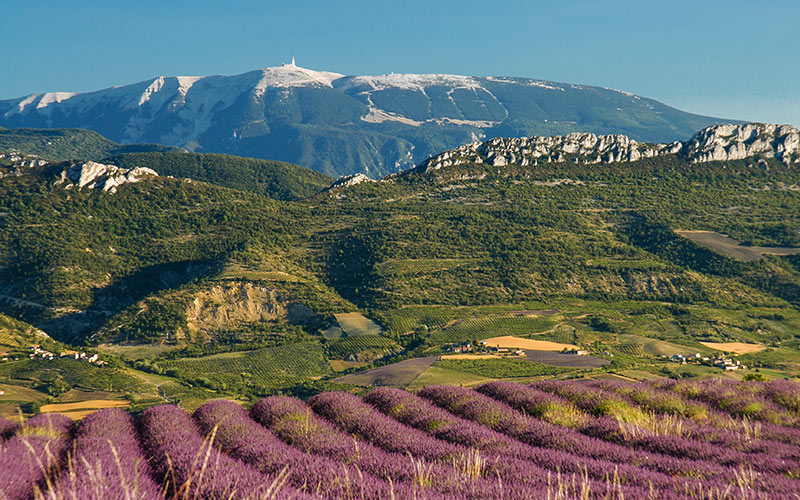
(22, 148)
(341, 125)
(68, 144)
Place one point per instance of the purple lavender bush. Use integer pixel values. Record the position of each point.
(243, 438)
(107, 462)
(7, 428)
(193, 468)
(30, 459)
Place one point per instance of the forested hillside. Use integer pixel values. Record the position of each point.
(202, 285)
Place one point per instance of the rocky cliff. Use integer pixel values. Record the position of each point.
(715, 143)
(736, 142)
(93, 175)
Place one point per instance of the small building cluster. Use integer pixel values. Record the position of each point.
(459, 348)
(577, 352)
(37, 352)
(468, 347)
(720, 361)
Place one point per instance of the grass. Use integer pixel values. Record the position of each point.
(500, 368)
(354, 324)
(436, 375)
(406, 319)
(134, 352)
(657, 347)
(20, 394)
(338, 365)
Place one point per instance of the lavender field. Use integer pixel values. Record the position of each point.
(548, 440)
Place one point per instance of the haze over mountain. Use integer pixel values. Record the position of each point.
(339, 124)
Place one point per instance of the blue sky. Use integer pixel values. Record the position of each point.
(733, 59)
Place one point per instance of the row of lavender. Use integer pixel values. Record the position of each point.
(551, 439)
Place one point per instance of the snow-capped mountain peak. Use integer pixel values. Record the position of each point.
(290, 75)
(341, 124)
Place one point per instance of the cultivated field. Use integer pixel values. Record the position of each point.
(80, 409)
(565, 440)
(565, 360)
(398, 374)
(732, 248)
(354, 324)
(527, 344)
(269, 367)
(657, 347)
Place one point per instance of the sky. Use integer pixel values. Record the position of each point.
(730, 59)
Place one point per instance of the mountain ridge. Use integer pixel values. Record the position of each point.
(715, 143)
(339, 124)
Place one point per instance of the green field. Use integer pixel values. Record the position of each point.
(268, 368)
(353, 324)
(59, 375)
(500, 368)
(436, 375)
(342, 348)
(481, 328)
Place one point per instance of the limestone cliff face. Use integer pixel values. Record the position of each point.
(736, 142)
(716, 143)
(525, 151)
(226, 305)
(93, 175)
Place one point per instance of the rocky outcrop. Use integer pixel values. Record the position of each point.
(350, 180)
(14, 163)
(581, 147)
(715, 143)
(227, 305)
(93, 175)
(736, 142)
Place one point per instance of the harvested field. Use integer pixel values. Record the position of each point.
(737, 347)
(80, 409)
(357, 324)
(396, 374)
(520, 343)
(732, 248)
